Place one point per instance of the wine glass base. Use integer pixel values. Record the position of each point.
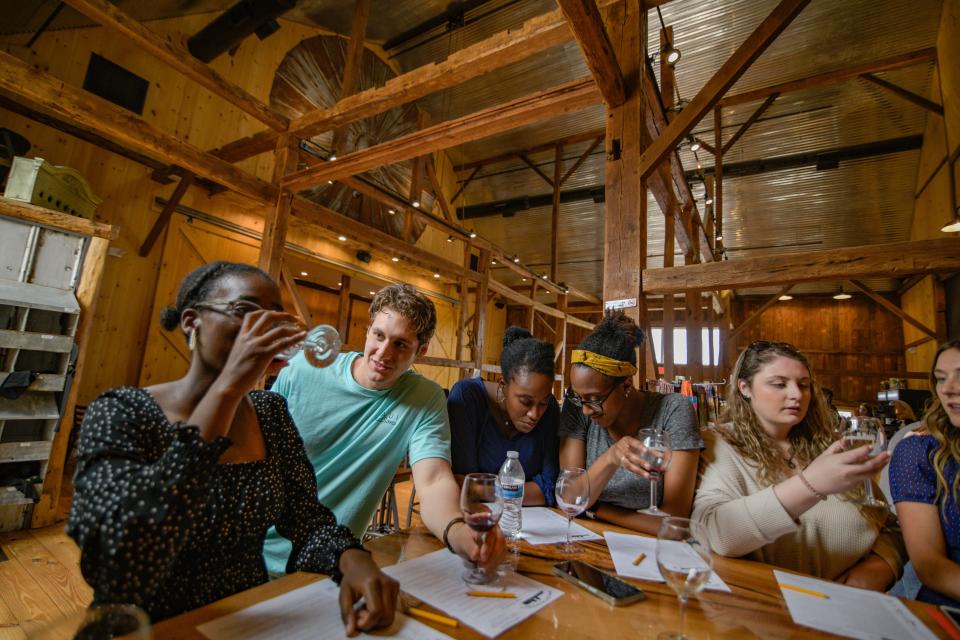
(653, 511)
(872, 502)
(568, 549)
(476, 576)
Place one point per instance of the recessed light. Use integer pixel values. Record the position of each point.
(493, 262)
(785, 297)
(449, 238)
(392, 211)
(332, 158)
(842, 296)
(395, 259)
(436, 275)
(523, 279)
(416, 204)
(373, 293)
(473, 234)
(329, 181)
(516, 259)
(342, 238)
(339, 284)
(304, 273)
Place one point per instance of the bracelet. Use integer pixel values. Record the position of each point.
(809, 486)
(446, 531)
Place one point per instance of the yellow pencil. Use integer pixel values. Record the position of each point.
(815, 594)
(639, 559)
(491, 594)
(436, 617)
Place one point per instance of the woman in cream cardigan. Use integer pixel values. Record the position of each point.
(775, 486)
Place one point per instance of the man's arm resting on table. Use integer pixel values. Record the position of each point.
(440, 503)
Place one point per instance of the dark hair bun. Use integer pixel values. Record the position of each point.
(169, 318)
(512, 334)
(619, 324)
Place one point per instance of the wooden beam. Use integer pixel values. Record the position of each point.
(666, 343)
(746, 125)
(896, 260)
(583, 158)
(37, 87)
(755, 44)
(351, 67)
(587, 26)
(33, 214)
(504, 291)
(831, 77)
(917, 343)
(439, 196)
(343, 307)
(464, 184)
(277, 217)
(566, 141)
(161, 222)
(772, 300)
(909, 96)
(298, 302)
(892, 308)
(566, 98)
(480, 315)
(909, 283)
(555, 210)
(536, 169)
(176, 56)
(718, 179)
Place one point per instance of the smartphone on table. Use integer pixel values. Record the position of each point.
(607, 587)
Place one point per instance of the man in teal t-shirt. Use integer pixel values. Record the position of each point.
(360, 415)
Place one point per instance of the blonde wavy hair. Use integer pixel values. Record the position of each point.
(937, 423)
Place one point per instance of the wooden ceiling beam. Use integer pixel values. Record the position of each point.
(177, 57)
(832, 77)
(565, 98)
(504, 291)
(772, 300)
(892, 308)
(39, 88)
(588, 30)
(907, 95)
(351, 67)
(566, 141)
(711, 93)
(746, 125)
(894, 260)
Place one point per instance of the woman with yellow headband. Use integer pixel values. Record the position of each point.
(601, 417)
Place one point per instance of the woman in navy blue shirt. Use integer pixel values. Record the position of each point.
(519, 413)
(924, 481)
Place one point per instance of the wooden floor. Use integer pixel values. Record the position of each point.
(42, 593)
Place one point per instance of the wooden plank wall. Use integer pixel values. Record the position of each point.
(844, 340)
(125, 310)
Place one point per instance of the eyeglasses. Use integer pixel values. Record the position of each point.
(236, 308)
(596, 406)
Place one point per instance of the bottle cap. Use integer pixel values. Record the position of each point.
(513, 454)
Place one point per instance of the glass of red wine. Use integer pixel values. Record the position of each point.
(573, 495)
(481, 502)
(656, 453)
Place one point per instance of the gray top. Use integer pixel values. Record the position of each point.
(670, 412)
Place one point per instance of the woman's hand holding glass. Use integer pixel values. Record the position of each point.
(262, 335)
(840, 469)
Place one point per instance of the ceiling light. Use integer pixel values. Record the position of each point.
(516, 259)
(473, 234)
(952, 227)
(304, 273)
(342, 238)
(395, 259)
(523, 279)
(671, 54)
(493, 262)
(392, 211)
(373, 293)
(416, 204)
(329, 181)
(544, 276)
(842, 296)
(785, 297)
(339, 284)
(449, 238)
(694, 145)
(332, 158)
(436, 275)
(709, 200)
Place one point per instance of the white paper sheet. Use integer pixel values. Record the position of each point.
(436, 580)
(850, 612)
(544, 526)
(624, 548)
(308, 613)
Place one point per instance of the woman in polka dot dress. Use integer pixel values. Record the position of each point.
(177, 483)
(925, 483)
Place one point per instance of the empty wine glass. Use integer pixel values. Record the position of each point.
(685, 562)
(105, 621)
(481, 502)
(859, 431)
(320, 347)
(573, 495)
(656, 453)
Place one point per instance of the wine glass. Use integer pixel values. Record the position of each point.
(481, 502)
(573, 495)
(320, 347)
(685, 562)
(859, 431)
(104, 621)
(656, 453)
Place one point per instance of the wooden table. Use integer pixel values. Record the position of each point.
(755, 609)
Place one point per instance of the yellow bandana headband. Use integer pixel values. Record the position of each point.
(603, 364)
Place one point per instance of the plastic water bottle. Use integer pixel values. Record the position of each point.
(511, 482)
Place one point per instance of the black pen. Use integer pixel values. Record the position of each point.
(533, 598)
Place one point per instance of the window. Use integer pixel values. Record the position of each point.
(705, 338)
(656, 339)
(680, 344)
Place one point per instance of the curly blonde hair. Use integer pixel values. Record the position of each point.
(409, 303)
(937, 423)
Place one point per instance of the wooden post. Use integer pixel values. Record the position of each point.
(625, 216)
(480, 316)
(298, 302)
(351, 67)
(343, 308)
(562, 342)
(666, 349)
(416, 188)
(555, 213)
(275, 223)
(164, 218)
(718, 177)
(46, 510)
(464, 304)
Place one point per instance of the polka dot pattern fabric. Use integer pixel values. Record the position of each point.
(162, 525)
(913, 479)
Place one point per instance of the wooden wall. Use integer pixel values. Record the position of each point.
(126, 310)
(852, 344)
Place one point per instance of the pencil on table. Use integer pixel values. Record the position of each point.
(491, 594)
(639, 559)
(435, 617)
(816, 594)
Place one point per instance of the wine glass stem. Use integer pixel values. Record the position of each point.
(683, 616)
(868, 489)
(653, 492)
(569, 520)
(483, 539)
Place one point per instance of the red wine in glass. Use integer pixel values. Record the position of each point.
(481, 502)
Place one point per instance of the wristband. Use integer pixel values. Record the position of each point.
(809, 486)
(446, 531)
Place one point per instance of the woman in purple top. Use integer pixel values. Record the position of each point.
(925, 485)
(518, 413)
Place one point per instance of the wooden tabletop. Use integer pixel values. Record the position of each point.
(755, 609)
